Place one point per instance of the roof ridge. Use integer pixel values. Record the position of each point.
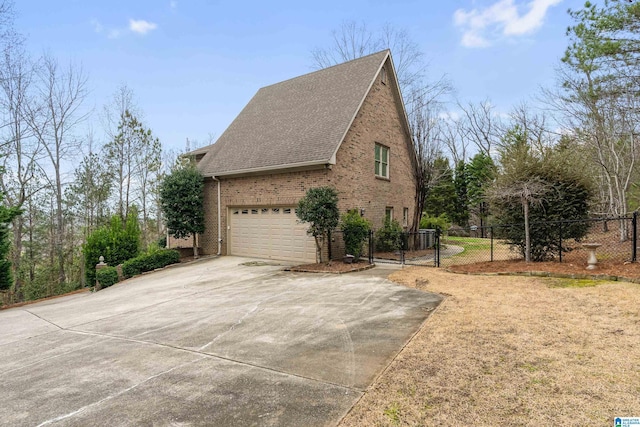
(299, 121)
(328, 68)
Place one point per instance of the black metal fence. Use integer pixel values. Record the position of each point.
(419, 248)
(617, 239)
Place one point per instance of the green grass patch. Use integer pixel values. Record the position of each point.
(471, 246)
(393, 413)
(573, 283)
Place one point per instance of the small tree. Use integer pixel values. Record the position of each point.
(182, 201)
(6, 216)
(319, 207)
(355, 230)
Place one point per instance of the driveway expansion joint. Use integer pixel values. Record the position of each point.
(217, 356)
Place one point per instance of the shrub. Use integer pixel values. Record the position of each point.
(150, 261)
(389, 237)
(107, 276)
(162, 242)
(433, 222)
(355, 231)
(115, 241)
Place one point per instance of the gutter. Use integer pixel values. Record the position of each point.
(219, 218)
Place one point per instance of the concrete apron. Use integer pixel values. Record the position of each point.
(212, 343)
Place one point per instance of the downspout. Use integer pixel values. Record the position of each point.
(219, 219)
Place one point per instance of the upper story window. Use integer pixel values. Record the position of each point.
(383, 76)
(382, 161)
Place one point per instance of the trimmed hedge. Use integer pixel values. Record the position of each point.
(107, 276)
(149, 262)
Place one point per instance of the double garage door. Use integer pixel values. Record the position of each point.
(270, 232)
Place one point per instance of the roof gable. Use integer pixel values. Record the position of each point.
(294, 123)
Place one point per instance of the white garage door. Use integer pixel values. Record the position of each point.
(272, 232)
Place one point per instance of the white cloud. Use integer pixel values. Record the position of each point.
(141, 26)
(97, 26)
(504, 18)
(173, 4)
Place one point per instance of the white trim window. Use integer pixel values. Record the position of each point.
(382, 161)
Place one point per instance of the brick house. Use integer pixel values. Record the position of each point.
(344, 126)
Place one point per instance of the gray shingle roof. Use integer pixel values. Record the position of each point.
(296, 122)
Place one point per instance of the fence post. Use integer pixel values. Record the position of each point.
(634, 224)
(436, 259)
(491, 231)
(370, 246)
(560, 247)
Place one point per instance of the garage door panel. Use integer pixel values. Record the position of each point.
(272, 232)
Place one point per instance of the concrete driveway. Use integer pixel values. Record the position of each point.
(212, 343)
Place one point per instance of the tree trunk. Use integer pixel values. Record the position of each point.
(18, 224)
(527, 234)
(319, 243)
(59, 230)
(195, 247)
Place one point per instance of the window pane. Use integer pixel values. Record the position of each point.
(377, 152)
(377, 167)
(384, 170)
(385, 155)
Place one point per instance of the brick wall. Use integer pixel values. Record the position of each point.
(379, 120)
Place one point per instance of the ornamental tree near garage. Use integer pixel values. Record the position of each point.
(182, 201)
(319, 208)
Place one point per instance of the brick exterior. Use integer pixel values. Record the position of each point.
(378, 121)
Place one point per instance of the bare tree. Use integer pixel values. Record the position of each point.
(52, 118)
(19, 150)
(536, 125)
(481, 125)
(454, 138)
(122, 100)
(353, 40)
(427, 130)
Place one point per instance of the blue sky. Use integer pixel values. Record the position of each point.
(194, 64)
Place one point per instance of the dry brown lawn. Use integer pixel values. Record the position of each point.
(512, 351)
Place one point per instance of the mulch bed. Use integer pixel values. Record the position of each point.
(613, 270)
(336, 267)
(21, 303)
